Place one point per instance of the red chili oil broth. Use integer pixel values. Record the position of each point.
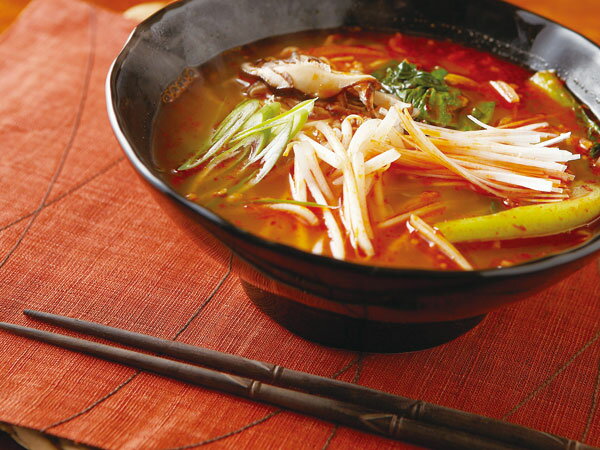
(184, 124)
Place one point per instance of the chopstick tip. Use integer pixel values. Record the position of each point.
(34, 313)
(8, 326)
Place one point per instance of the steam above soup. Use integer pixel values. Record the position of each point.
(386, 150)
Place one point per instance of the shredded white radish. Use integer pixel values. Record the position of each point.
(313, 166)
(427, 146)
(363, 185)
(533, 126)
(485, 126)
(389, 122)
(518, 180)
(298, 184)
(507, 92)
(342, 161)
(362, 136)
(560, 138)
(336, 241)
(338, 181)
(318, 247)
(531, 152)
(514, 136)
(353, 204)
(439, 241)
(492, 158)
(322, 152)
(381, 160)
(298, 210)
(347, 130)
(405, 216)
(332, 140)
(388, 100)
(508, 163)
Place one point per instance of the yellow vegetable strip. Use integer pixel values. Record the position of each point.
(454, 79)
(515, 124)
(528, 221)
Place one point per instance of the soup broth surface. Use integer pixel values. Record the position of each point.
(186, 122)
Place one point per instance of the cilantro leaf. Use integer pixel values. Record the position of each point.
(435, 101)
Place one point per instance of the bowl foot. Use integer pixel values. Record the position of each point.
(336, 330)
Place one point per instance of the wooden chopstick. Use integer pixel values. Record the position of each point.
(326, 387)
(381, 402)
(348, 414)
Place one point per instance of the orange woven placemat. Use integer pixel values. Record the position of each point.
(80, 236)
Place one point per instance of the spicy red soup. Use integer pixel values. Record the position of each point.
(384, 149)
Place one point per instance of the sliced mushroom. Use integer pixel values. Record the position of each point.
(309, 75)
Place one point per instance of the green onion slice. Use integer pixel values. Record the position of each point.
(230, 125)
(281, 119)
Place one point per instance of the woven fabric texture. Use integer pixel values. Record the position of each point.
(81, 236)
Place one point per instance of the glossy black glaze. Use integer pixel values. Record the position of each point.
(188, 33)
(354, 333)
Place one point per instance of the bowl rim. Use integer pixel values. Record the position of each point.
(528, 268)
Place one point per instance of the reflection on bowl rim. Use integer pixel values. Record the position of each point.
(530, 267)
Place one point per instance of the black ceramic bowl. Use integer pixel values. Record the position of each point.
(332, 302)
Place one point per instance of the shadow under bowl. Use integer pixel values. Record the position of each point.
(332, 302)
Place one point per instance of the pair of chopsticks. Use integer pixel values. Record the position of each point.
(332, 400)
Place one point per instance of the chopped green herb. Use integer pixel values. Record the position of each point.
(429, 94)
(380, 73)
(595, 151)
(439, 73)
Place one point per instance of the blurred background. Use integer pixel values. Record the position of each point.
(574, 14)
